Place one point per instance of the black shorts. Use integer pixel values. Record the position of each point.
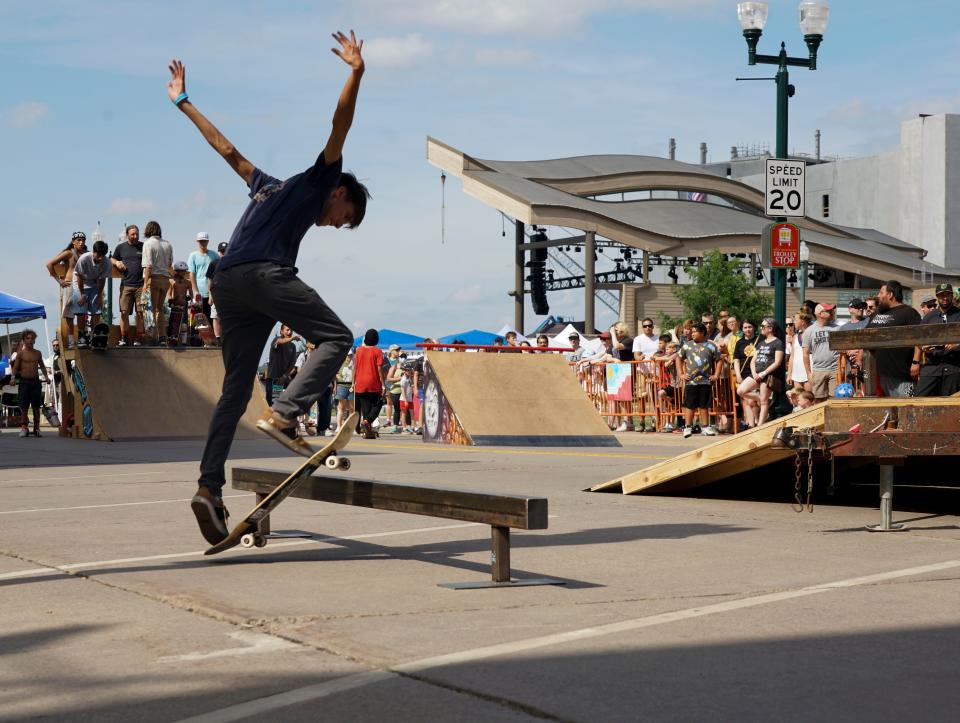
(30, 393)
(697, 396)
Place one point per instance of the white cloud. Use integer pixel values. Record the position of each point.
(26, 115)
(358, 325)
(125, 206)
(467, 295)
(504, 56)
(397, 52)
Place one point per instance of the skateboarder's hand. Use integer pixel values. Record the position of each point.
(178, 81)
(349, 50)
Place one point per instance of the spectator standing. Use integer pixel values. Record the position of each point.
(157, 270)
(819, 360)
(576, 353)
(698, 365)
(128, 260)
(394, 376)
(858, 315)
(798, 376)
(64, 263)
(895, 369)
(368, 382)
(734, 334)
(708, 321)
(27, 369)
(344, 392)
(940, 373)
(871, 308)
(211, 272)
(766, 369)
(178, 297)
(927, 305)
(197, 265)
(646, 343)
(282, 362)
(89, 277)
(742, 359)
(406, 400)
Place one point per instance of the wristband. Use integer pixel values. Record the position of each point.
(179, 99)
(914, 362)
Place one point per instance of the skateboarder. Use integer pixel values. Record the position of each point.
(27, 369)
(257, 283)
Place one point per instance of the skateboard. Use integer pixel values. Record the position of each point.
(247, 531)
(98, 339)
(176, 333)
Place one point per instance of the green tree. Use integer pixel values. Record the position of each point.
(718, 283)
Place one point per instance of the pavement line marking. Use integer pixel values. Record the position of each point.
(322, 690)
(51, 477)
(60, 569)
(115, 504)
(529, 452)
(255, 643)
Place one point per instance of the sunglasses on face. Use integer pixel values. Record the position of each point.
(648, 326)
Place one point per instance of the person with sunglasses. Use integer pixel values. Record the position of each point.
(938, 369)
(766, 370)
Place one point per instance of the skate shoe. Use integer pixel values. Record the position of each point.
(285, 433)
(211, 515)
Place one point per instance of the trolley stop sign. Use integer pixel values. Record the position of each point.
(781, 246)
(785, 187)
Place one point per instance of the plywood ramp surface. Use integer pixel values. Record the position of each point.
(143, 392)
(519, 399)
(732, 455)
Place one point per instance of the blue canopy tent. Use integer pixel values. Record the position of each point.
(389, 337)
(474, 336)
(14, 310)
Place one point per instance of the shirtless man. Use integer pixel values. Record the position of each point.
(27, 369)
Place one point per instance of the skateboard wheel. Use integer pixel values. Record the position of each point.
(248, 540)
(260, 541)
(332, 462)
(344, 464)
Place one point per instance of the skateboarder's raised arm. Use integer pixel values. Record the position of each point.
(177, 90)
(349, 52)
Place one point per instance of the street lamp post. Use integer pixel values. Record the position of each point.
(813, 23)
(804, 259)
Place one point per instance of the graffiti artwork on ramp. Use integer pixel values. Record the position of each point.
(147, 393)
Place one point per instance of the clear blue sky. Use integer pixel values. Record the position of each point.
(87, 132)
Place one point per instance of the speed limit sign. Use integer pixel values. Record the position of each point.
(785, 187)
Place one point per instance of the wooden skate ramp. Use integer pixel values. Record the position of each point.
(511, 399)
(151, 393)
(732, 455)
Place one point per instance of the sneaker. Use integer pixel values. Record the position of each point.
(709, 431)
(122, 342)
(668, 427)
(211, 515)
(285, 434)
(621, 428)
(137, 343)
(24, 433)
(83, 343)
(687, 432)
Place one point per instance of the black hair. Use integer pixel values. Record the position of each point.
(701, 327)
(665, 337)
(895, 288)
(101, 247)
(358, 195)
(371, 338)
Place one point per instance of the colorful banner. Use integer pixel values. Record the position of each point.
(619, 382)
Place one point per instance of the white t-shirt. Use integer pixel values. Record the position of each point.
(646, 345)
(157, 256)
(798, 370)
(90, 270)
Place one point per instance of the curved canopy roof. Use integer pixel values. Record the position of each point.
(557, 193)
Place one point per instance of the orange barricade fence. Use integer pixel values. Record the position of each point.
(656, 401)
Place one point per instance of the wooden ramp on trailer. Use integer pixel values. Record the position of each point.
(730, 456)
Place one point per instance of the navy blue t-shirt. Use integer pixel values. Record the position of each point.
(279, 215)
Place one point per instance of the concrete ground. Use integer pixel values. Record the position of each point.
(673, 608)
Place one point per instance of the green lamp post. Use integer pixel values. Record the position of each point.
(813, 23)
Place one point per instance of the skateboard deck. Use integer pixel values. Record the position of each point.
(247, 531)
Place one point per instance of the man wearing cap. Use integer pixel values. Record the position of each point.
(939, 375)
(895, 370)
(927, 305)
(576, 353)
(128, 260)
(858, 320)
(819, 359)
(89, 277)
(197, 264)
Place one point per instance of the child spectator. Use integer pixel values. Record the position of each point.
(406, 401)
(178, 296)
(27, 369)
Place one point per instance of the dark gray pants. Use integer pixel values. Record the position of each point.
(251, 298)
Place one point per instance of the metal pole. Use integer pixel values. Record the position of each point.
(589, 279)
(518, 279)
(783, 96)
(803, 282)
(886, 502)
